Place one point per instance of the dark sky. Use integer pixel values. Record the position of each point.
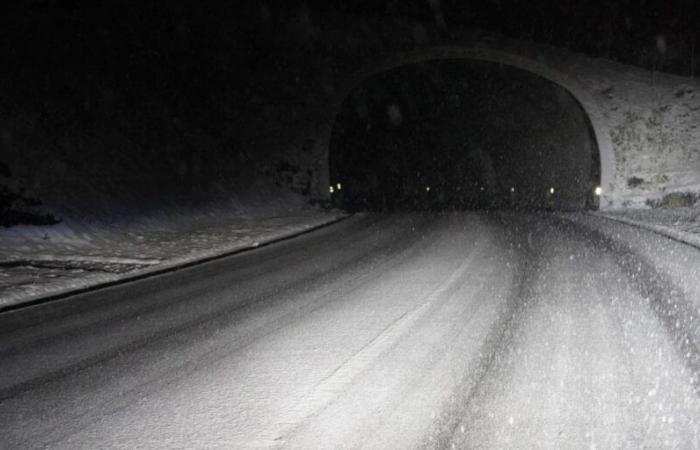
(649, 33)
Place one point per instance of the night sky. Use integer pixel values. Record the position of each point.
(653, 34)
(649, 33)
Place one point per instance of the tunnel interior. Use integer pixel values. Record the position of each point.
(460, 135)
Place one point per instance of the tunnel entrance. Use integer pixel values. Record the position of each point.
(462, 134)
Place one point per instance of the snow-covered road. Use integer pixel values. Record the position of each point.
(398, 331)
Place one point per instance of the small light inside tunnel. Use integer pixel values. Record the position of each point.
(331, 189)
(427, 188)
(598, 191)
(551, 191)
(339, 186)
(512, 189)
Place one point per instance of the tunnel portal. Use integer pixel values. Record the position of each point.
(462, 134)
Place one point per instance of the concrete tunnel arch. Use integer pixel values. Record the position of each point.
(599, 128)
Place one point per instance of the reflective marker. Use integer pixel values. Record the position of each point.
(551, 190)
(339, 186)
(598, 191)
(427, 188)
(331, 189)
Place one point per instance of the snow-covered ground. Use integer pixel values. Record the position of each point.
(40, 261)
(680, 223)
(383, 331)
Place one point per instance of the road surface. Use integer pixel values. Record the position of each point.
(458, 330)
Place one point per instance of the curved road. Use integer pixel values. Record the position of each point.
(397, 331)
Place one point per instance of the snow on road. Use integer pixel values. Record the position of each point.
(589, 366)
(403, 331)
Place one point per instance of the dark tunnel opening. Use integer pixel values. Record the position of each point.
(460, 135)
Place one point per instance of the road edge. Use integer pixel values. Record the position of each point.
(164, 268)
(675, 236)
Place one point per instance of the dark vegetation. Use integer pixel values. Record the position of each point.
(634, 182)
(16, 208)
(675, 200)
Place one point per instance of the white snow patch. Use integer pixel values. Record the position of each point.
(40, 261)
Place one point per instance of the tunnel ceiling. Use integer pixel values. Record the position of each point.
(462, 134)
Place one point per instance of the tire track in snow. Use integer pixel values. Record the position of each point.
(333, 385)
(496, 343)
(679, 315)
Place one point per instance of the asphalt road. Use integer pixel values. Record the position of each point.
(398, 331)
